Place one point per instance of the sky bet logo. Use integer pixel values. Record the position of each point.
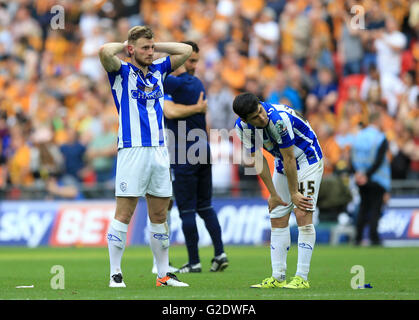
(24, 224)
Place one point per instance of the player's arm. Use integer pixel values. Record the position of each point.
(108, 55)
(258, 161)
(177, 111)
(178, 52)
(290, 168)
(262, 167)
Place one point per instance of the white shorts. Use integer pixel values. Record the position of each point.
(143, 170)
(309, 179)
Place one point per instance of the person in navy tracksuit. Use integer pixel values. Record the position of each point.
(191, 171)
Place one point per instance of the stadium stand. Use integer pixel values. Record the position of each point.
(55, 103)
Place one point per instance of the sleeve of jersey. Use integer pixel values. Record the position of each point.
(168, 97)
(245, 137)
(164, 65)
(283, 132)
(120, 71)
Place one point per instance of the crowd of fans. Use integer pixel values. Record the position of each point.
(334, 61)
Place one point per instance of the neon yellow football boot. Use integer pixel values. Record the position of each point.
(297, 283)
(269, 283)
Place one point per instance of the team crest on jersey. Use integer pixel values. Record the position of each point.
(123, 186)
(147, 88)
(268, 144)
(281, 127)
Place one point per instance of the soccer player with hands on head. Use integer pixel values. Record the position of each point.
(143, 164)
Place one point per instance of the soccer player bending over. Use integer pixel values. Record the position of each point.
(143, 164)
(294, 185)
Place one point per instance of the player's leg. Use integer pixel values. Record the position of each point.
(376, 203)
(185, 191)
(171, 268)
(280, 245)
(306, 241)
(362, 216)
(159, 240)
(207, 213)
(128, 188)
(310, 180)
(117, 237)
(159, 232)
(158, 195)
(280, 236)
(280, 231)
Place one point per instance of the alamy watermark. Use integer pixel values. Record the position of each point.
(192, 147)
(357, 22)
(58, 18)
(58, 280)
(358, 280)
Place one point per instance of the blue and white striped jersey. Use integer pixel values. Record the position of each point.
(285, 128)
(139, 100)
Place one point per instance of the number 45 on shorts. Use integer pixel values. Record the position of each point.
(309, 186)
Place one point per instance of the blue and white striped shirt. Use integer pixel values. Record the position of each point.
(285, 128)
(139, 100)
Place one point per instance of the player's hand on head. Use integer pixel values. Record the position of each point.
(126, 52)
(275, 201)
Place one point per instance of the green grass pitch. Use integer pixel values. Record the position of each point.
(392, 272)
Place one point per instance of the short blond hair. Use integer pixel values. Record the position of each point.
(138, 32)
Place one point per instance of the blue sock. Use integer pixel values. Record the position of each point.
(213, 226)
(190, 231)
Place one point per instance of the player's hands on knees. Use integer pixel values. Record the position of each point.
(275, 201)
(302, 202)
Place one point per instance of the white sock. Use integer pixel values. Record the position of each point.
(306, 241)
(117, 238)
(280, 244)
(159, 243)
(165, 243)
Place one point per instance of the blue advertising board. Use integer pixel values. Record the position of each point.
(244, 221)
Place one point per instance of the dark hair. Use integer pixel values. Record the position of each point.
(245, 104)
(194, 46)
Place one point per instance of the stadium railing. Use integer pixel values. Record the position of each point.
(404, 188)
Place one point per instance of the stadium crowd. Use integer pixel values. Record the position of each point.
(335, 61)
